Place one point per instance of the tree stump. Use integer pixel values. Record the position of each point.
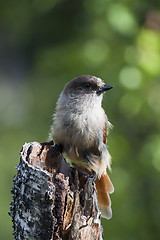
(52, 200)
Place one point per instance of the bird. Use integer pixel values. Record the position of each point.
(80, 126)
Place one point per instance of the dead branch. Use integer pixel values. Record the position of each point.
(52, 200)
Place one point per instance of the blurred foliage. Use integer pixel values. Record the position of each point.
(43, 45)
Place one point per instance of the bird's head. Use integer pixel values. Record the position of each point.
(86, 85)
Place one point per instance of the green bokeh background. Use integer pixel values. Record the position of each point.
(44, 44)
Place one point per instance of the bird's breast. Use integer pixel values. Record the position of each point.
(84, 129)
(78, 123)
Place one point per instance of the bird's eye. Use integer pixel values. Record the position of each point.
(87, 84)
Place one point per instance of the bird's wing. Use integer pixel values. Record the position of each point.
(106, 130)
(105, 133)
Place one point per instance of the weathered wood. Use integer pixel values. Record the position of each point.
(52, 200)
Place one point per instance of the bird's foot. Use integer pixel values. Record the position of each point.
(58, 148)
(93, 177)
(48, 143)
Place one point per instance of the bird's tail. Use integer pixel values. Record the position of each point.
(104, 187)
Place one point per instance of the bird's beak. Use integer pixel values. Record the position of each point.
(103, 89)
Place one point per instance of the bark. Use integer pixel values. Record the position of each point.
(52, 200)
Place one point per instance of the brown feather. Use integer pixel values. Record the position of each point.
(104, 186)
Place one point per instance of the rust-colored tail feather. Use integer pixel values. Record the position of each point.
(104, 187)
